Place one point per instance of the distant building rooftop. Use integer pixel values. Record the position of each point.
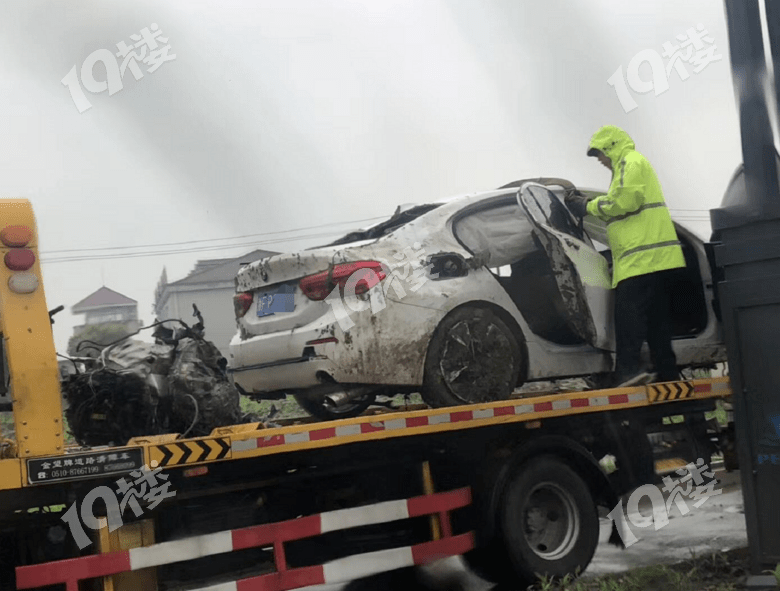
(216, 270)
(207, 274)
(103, 297)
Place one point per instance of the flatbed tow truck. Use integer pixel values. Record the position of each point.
(514, 486)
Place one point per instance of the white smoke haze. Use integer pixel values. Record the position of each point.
(283, 115)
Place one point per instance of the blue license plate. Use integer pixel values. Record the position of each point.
(281, 299)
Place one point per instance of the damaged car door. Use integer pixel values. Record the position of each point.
(582, 274)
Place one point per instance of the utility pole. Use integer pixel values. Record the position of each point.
(747, 235)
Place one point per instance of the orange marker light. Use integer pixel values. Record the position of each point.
(20, 259)
(15, 236)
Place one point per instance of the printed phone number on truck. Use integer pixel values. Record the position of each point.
(75, 472)
(87, 470)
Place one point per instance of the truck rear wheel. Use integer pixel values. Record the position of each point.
(549, 520)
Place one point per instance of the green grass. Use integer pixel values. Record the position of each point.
(673, 419)
(775, 573)
(717, 572)
(608, 464)
(289, 409)
(699, 373)
(69, 439)
(719, 413)
(286, 408)
(7, 424)
(8, 429)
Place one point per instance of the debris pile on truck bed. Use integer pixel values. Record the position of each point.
(177, 385)
(108, 408)
(197, 382)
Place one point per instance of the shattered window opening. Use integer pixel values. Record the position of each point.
(501, 234)
(398, 219)
(554, 211)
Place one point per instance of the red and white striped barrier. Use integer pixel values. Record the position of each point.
(471, 415)
(74, 570)
(352, 567)
(712, 387)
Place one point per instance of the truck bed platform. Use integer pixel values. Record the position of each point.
(255, 439)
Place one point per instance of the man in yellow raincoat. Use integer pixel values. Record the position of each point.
(645, 251)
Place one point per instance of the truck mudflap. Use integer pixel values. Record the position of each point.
(282, 578)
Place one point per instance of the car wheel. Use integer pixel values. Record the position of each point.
(549, 521)
(314, 404)
(473, 357)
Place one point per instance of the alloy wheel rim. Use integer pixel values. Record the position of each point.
(477, 362)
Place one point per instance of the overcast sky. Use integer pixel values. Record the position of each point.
(277, 116)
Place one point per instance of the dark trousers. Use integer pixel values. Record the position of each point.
(642, 313)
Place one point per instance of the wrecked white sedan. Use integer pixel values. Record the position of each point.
(462, 301)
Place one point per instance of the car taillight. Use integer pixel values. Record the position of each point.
(19, 258)
(241, 303)
(318, 286)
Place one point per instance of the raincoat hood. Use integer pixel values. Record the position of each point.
(612, 141)
(640, 230)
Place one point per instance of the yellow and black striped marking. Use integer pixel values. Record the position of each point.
(669, 391)
(191, 452)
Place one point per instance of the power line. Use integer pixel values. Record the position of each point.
(130, 255)
(71, 255)
(186, 242)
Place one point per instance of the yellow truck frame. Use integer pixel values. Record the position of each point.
(319, 502)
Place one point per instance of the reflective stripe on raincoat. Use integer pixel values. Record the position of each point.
(639, 228)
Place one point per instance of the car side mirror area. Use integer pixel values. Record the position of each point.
(446, 265)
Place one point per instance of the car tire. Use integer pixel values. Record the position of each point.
(549, 521)
(473, 357)
(314, 404)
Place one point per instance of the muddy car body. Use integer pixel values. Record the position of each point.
(509, 288)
